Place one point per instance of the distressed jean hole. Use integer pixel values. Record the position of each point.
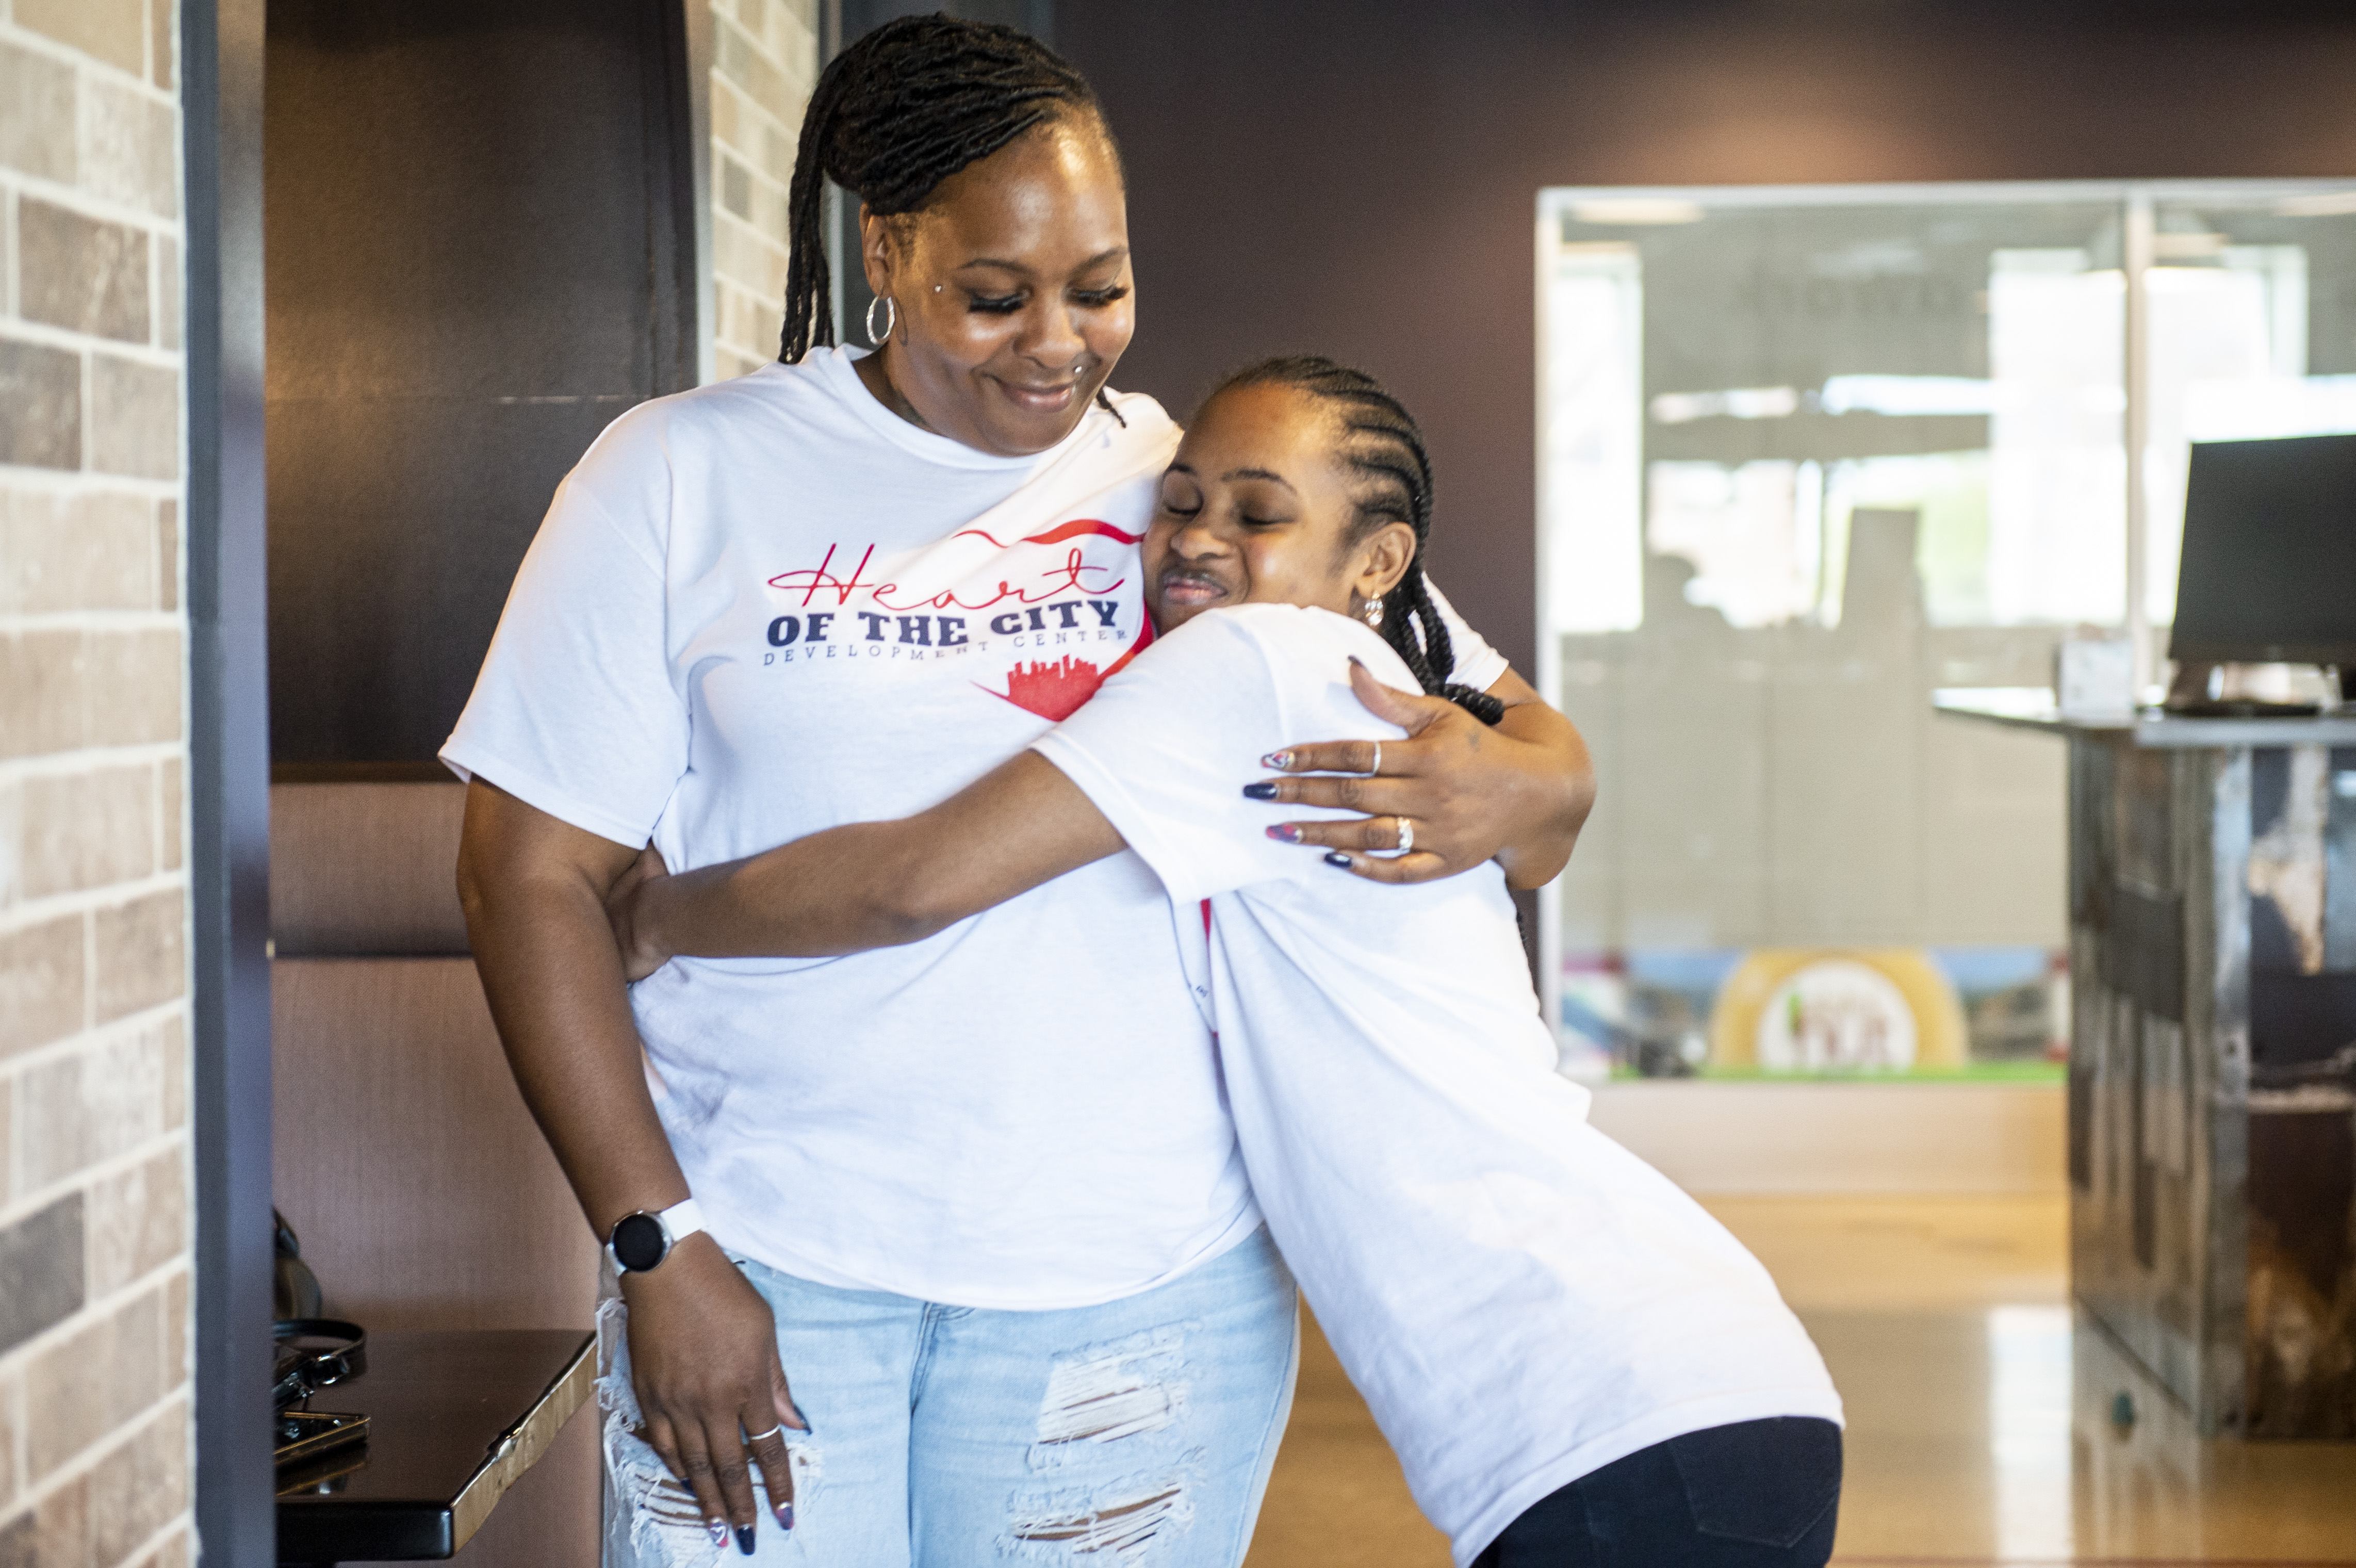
(1128, 1530)
(1106, 1392)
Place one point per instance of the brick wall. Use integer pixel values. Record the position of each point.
(764, 63)
(94, 1175)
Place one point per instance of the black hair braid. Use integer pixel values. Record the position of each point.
(1384, 444)
(897, 112)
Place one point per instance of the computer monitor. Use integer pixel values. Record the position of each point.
(2269, 562)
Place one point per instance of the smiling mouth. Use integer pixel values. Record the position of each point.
(1045, 398)
(1182, 587)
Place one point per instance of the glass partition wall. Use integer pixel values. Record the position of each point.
(1808, 454)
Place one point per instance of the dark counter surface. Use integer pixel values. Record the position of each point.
(455, 1417)
(2033, 708)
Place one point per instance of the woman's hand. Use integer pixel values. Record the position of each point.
(624, 908)
(537, 892)
(703, 1359)
(1518, 793)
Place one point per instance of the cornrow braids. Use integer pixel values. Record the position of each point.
(897, 112)
(1382, 441)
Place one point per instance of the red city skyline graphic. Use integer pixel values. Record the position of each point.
(1055, 692)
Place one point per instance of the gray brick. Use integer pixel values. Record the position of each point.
(43, 987)
(167, 560)
(130, 147)
(142, 956)
(86, 830)
(37, 115)
(41, 406)
(76, 1111)
(40, 1271)
(169, 283)
(164, 49)
(91, 552)
(115, 31)
(81, 274)
(61, 1528)
(62, 690)
(86, 1386)
(139, 1486)
(167, 557)
(134, 416)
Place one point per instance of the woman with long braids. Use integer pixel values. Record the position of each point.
(978, 1195)
(1576, 1366)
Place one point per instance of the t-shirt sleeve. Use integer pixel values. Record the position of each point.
(576, 711)
(1478, 665)
(1165, 747)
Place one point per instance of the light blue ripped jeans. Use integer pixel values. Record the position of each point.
(1134, 1434)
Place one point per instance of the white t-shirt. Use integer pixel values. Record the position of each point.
(1520, 1300)
(770, 606)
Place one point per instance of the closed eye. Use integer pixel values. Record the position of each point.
(995, 305)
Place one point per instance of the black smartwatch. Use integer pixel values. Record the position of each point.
(638, 1241)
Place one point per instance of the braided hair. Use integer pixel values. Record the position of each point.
(1382, 442)
(899, 112)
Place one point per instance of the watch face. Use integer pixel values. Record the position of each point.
(640, 1242)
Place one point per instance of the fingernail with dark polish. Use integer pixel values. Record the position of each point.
(1280, 760)
(1336, 857)
(1285, 832)
(745, 1539)
(784, 1512)
(719, 1529)
(1263, 790)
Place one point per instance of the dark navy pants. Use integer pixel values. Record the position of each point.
(1759, 1494)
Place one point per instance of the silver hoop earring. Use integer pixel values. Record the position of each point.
(1375, 613)
(891, 318)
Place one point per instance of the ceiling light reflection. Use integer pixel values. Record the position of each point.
(1637, 210)
(2325, 204)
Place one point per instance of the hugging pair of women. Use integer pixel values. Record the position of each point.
(982, 890)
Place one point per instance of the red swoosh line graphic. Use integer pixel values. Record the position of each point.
(1057, 535)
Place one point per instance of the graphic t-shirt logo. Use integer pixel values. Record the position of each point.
(1074, 600)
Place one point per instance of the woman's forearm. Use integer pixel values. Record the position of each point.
(845, 890)
(872, 885)
(1557, 792)
(533, 891)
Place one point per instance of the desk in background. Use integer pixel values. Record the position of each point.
(2213, 1054)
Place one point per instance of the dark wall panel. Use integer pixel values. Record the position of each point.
(478, 229)
(1359, 176)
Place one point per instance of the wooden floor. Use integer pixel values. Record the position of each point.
(1979, 1431)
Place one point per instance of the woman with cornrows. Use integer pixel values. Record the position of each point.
(979, 1196)
(1578, 1367)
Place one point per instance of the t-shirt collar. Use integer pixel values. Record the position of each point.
(836, 367)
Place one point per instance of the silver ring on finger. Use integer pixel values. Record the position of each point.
(763, 1436)
(1377, 765)
(1405, 834)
